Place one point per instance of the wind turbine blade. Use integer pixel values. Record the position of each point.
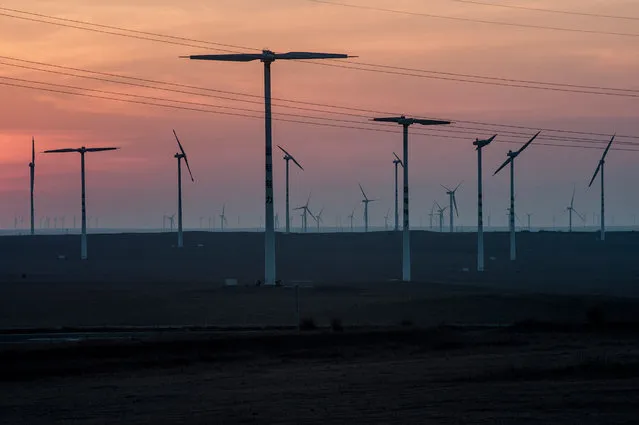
(389, 119)
(528, 143)
(430, 122)
(438, 206)
(311, 55)
(447, 189)
(33, 150)
(239, 57)
(362, 189)
(572, 201)
(308, 200)
(290, 156)
(400, 161)
(482, 143)
(61, 150)
(186, 160)
(455, 204)
(503, 165)
(595, 175)
(458, 186)
(100, 149)
(608, 147)
(579, 215)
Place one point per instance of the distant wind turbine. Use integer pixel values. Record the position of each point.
(453, 203)
(406, 122)
(32, 175)
(441, 211)
(397, 162)
(480, 218)
(318, 219)
(572, 209)
(386, 219)
(223, 220)
(288, 157)
(366, 201)
(82, 151)
(600, 167)
(181, 156)
(511, 160)
(351, 217)
(305, 212)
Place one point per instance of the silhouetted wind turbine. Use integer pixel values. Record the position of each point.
(366, 201)
(480, 217)
(318, 219)
(572, 209)
(397, 162)
(223, 220)
(386, 219)
(351, 216)
(453, 203)
(288, 157)
(600, 167)
(305, 211)
(268, 57)
(180, 156)
(405, 123)
(441, 211)
(511, 160)
(82, 151)
(32, 175)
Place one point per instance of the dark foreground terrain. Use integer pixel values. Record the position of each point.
(526, 374)
(145, 333)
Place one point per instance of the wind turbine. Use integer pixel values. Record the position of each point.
(453, 203)
(386, 219)
(366, 201)
(318, 219)
(82, 151)
(397, 162)
(180, 156)
(511, 160)
(223, 220)
(431, 214)
(350, 217)
(305, 212)
(405, 123)
(601, 167)
(32, 175)
(440, 211)
(480, 217)
(288, 157)
(268, 57)
(572, 209)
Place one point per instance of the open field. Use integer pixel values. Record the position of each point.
(397, 361)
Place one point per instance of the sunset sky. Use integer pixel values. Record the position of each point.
(135, 186)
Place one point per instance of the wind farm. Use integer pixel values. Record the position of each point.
(301, 279)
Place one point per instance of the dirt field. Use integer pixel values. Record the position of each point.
(442, 376)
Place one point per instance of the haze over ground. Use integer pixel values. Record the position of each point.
(136, 186)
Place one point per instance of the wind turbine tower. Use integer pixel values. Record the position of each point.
(397, 162)
(366, 201)
(181, 156)
(268, 57)
(572, 209)
(32, 175)
(405, 123)
(600, 167)
(480, 219)
(223, 220)
(351, 217)
(82, 151)
(453, 203)
(305, 212)
(288, 157)
(511, 160)
(441, 211)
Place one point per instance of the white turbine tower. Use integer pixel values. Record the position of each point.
(405, 123)
(268, 57)
(32, 184)
(366, 201)
(480, 215)
(397, 162)
(453, 204)
(82, 151)
(181, 156)
(572, 209)
(600, 167)
(318, 219)
(288, 157)
(511, 160)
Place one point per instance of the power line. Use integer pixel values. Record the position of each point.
(456, 127)
(481, 21)
(438, 75)
(188, 108)
(540, 9)
(494, 126)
